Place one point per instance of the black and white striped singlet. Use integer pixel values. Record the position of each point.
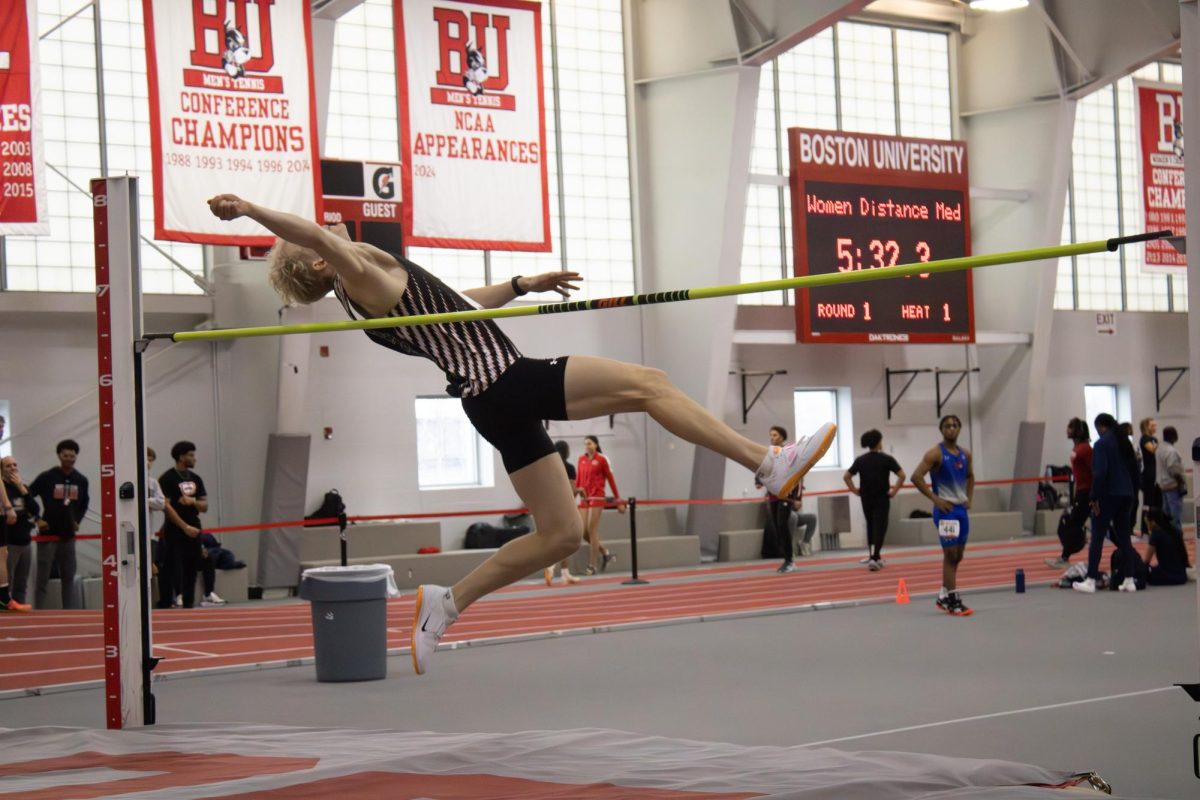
(472, 354)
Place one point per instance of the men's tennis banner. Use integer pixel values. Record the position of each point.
(472, 124)
(232, 109)
(1160, 129)
(22, 165)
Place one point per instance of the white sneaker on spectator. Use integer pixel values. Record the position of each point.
(866, 560)
(178, 602)
(433, 612)
(1127, 585)
(1087, 586)
(805, 549)
(212, 599)
(784, 467)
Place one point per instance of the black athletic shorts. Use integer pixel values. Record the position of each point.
(510, 412)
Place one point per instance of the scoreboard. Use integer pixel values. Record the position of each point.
(863, 201)
(365, 195)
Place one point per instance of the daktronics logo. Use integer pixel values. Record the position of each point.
(470, 72)
(233, 53)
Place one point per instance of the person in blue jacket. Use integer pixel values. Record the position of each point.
(1114, 476)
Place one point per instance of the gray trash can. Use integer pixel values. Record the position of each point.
(349, 620)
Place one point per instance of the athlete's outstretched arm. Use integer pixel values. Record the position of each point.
(339, 253)
(499, 294)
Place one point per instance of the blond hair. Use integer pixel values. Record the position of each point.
(292, 276)
(1144, 425)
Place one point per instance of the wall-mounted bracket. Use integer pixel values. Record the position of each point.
(937, 380)
(744, 374)
(887, 377)
(1159, 393)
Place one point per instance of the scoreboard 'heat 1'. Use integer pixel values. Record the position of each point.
(861, 201)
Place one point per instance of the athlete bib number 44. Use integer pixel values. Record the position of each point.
(948, 528)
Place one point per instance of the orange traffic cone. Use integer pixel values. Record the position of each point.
(902, 593)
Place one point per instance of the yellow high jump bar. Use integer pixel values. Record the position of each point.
(805, 282)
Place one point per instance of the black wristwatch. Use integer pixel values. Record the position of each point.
(516, 285)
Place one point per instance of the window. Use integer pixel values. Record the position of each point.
(852, 77)
(1104, 200)
(815, 407)
(1099, 398)
(450, 453)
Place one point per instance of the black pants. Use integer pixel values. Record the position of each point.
(209, 570)
(1151, 498)
(778, 512)
(1077, 516)
(62, 554)
(875, 510)
(1113, 517)
(180, 562)
(18, 570)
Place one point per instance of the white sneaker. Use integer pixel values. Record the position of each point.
(1127, 585)
(212, 599)
(784, 467)
(433, 612)
(1191, 574)
(1058, 562)
(178, 601)
(567, 579)
(866, 560)
(805, 549)
(1087, 586)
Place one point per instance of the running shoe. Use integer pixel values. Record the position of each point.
(943, 603)
(786, 567)
(1127, 585)
(13, 605)
(591, 570)
(874, 565)
(212, 599)
(957, 607)
(567, 578)
(1087, 586)
(866, 560)
(606, 557)
(432, 614)
(805, 549)
(1057, 563)
(784, 467)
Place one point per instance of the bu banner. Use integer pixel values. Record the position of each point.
(1160, 129)
(232, 109)
(472, 124)
(23, 181)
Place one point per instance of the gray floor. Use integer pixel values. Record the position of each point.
(789, 679)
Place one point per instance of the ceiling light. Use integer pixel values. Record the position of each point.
(997, 5)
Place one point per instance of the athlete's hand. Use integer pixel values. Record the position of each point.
(562, 282)
(945, 506)
(190, 531)
(10, 515)
(621, 506)
(228, 206)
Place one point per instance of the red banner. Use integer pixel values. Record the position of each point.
(22, 178)
(1160, 129)
(232, 109)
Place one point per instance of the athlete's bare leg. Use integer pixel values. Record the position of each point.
(545, 490)
(591, 532)
(597, 387)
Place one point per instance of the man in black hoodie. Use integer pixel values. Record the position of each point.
(63, 493)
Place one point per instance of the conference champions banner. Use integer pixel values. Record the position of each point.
(472, 124)
(22, 170)
(232, 109)
(1160, 135)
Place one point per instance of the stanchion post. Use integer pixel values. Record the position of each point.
(634, 580)
(342, 534)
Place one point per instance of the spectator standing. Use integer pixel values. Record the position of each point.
(186, 500)
(1081, 477)
(17, 535)
(564, 452)
(1147, 448)
(593, 471)
(63, 493)
(154, 495)
(779, 511)
(953, 475)
(1114, 476)
(874, 469)
(1172, 483)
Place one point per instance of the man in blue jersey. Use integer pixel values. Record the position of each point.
(949, 468)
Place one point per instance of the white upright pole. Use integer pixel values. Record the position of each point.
(127, 661)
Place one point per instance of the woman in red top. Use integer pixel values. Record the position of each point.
(590, 477)
(1080, 510)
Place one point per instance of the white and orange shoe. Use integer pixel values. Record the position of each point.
(784, 467)
(567, 579)
(433, 612)
(13, 605)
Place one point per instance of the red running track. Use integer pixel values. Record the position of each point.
(45, 649)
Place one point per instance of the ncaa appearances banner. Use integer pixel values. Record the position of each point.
(472, 124)
(232, 109)
(22, 174)
(1160, 129)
